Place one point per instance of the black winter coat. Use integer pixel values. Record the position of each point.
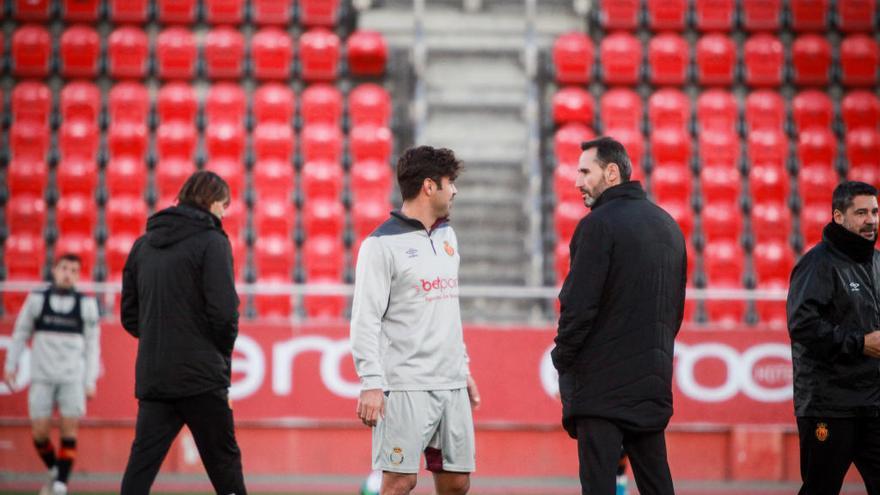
(833, 301)
(621, 307)
(179, 300)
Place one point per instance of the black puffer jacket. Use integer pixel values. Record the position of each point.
(179, 300)
(833, 301)
(622, 306)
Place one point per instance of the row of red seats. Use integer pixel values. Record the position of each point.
(754, 15)
(224, 53)
(262, 12)
(715, 56)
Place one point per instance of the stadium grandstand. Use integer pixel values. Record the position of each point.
(740, 115)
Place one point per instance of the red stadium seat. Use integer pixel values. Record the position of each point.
(772, 261)
(668, 58)
(723, 262)
(31, 103)
(82, 246)
(764, 58)
(321, 103)
(565, 219)
(27, 175)
(128, 11)
(273, 306)
(369, 103)
(670, 145)
(573, 55)
(126, 215)
(567, 142)
(621, 56)
(816, 183)
(856, 15)
(274, 217)
(621, 108)
(225, 103)
(714, 15)
(683, 215)
(573, 104)
(176, 139)
(563, 182)
(79, 139)
(868, 173)
(323, 217)
(721, 221)
(859, 56)
(562, 262)
(669, 107)
(814, 218)
(117, 248)
(367, 53)
(127, 139)
(80, 100)
(863, 148)
(235, 218)
(125, 176)
(370, 179)
(274, 256)
(318, 306)
(811, 60)
(321, 141)
(768, 147)
(77, 176)
(369, 141)
(273, 102)
(224, 11)
(319, 55)
(768, 183)
(176, 11)
(765, 109)
(31, 51)
(224, 53)
(31, 10)
(321, 179)
(271, 54)
(721, 184)
(275, 12)
(239, 256)
(76, 214)
(772, 313)
(666, 15)
(177, 101)
(128, 102)
(225, 140)
(670, 182)
(273, 178)
(809, 15)
(29, 141)
(232, 171)
(171, 173)
(366, 218)
(26, 214)
(771, 221)
(634, 144)
(762, 15)
(323, 258)
(25, 255)
(176, 53)
(717, 109)
(273, 140)
(812, 109)
(817, 146)
(80, 52)
(318, 12)
(860, 108)
(619, 14)
(719, 148)
(716, 60)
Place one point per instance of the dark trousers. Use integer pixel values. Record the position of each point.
(830, 445)
(599, 442)
(209, 419)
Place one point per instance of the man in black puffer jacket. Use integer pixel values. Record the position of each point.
(833, 320)
(179, 301)
(621, 307)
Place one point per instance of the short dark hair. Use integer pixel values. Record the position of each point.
(425, 162)
(203, 189)
(845, 193)
(73, 258)
(609, 150)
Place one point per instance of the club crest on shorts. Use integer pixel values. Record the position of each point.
(449, 249)
(821, 432)
(396, 456)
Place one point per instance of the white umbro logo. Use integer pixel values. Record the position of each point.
(853, 287)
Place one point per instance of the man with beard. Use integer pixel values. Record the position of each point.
(833, 320)
(622, 304)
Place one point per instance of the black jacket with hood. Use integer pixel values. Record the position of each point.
(833, 301)
(179, 301)
(621, 308)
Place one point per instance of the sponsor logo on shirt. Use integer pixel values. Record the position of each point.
(412, 252)
(853, 287)
(439, 284)
(449, 249)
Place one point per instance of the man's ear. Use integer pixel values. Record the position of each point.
(612, 173)
(837, 216)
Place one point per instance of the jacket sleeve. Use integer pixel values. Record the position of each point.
(92, 334)
(221, 300)
(683, 286)
(582, 290)
(810, 296)
(23, 330)
(128, 306)
(372, 289)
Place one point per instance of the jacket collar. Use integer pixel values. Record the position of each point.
(852, 245)
(417, 223)
(628, 190)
